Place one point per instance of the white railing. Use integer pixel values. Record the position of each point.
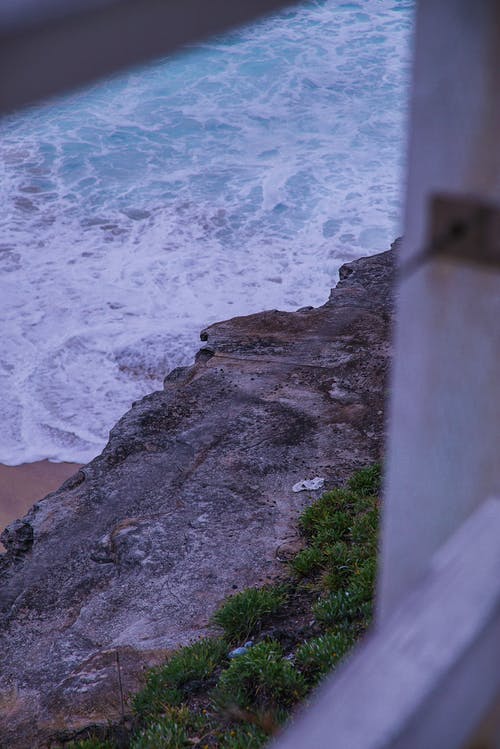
(428, 675)
(444, 437)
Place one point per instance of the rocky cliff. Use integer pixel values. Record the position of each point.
(191, 499)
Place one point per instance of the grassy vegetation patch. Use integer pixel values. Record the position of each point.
(247, 736)
(301, 629)
(261, 679)
(318, 656)
(92, 743)
(186, 672)
(367, 482)
(340, 559)
(165, 734)
(244, 614)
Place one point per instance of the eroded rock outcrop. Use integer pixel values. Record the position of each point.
(191, 499)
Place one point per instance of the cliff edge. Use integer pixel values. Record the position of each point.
(190, 501)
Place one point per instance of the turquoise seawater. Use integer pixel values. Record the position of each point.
(233, 177)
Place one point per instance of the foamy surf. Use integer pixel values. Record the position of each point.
(233, 178)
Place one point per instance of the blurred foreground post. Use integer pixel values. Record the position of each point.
(444, 438)
(428, 677)
(48, 47)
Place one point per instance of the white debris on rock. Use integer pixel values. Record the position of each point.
(311, 484)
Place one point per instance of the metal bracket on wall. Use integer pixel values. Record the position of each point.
(461, 228)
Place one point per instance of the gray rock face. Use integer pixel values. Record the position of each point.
(190, 500)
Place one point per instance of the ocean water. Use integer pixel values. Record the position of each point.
(234, 177)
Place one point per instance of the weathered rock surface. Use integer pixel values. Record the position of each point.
(191, 499)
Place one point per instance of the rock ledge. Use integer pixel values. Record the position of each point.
(190, 500)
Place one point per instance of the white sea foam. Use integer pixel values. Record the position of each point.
(233, 178)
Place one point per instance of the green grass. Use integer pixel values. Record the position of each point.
(186, 672)
(317, 657)
(243, 614)
(244, 737)
(260, 680)
(339, 561)
(367, 482)
(308, 561)
(165, 734)
(172, 731)
(91, 743)
(199, 697)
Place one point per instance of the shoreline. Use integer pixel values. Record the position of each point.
(23, 485)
